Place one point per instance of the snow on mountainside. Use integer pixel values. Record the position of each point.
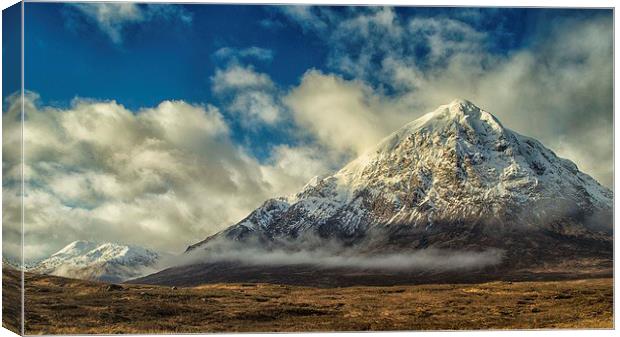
(454, 178)
(109, 262)
(10, 263)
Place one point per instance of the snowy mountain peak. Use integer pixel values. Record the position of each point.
(461, 105)
(466, 110)
(436, 179)
(459, 112)
(459, 115)
(460, 128)
(76, 248)
(105, 261)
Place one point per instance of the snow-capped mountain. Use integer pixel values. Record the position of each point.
(108, 262)
(10, 263)
(455, 181)
(454, 178)
(16, 263)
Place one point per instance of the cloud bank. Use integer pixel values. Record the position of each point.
(159, 177)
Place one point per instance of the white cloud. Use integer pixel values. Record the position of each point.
(113, 18)
(256, 105)
(445, 37)
(291, 167)
(345, 116)
(236, 77)
(162, 177)
(251, 95)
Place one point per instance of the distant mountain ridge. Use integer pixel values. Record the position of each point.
(109, 262)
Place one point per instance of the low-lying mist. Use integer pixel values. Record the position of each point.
(331, 254)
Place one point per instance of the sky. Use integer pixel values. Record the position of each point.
(158, 125)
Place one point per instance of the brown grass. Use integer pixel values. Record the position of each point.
(11, 299)
(59, 305)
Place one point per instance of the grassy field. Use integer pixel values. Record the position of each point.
(11, 299)
(59, 305)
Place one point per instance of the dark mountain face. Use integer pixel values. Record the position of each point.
(454, 179)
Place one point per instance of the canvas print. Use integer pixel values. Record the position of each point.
(200, 168)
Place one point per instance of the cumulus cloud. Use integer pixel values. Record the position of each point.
(237, 77)
(160, 177)
(11, 180)
(251, 95)
(346, 116)
(290, 167)
(113, 18)
(558, 89)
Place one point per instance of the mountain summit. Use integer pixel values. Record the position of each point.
(454, 179)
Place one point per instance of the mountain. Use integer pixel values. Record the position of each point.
(108, 262)
(454, 179)
(15, 264)
(10, 263)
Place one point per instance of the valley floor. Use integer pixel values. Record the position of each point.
(59, 305)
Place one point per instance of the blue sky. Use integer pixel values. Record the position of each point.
(167, 59)
(11, 51)
(156, 61)
(171, 56)
(173, 60)
(183, 118)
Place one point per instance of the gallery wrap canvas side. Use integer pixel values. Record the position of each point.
(12, 248)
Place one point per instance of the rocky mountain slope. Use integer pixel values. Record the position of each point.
(109, 262)
(454, 179)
